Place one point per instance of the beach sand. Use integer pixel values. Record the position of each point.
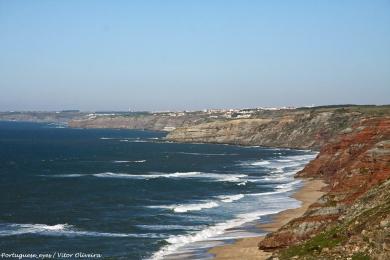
(247, 249)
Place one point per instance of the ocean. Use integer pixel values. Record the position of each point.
(128, 194)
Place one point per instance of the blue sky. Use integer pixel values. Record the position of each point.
(174, 55)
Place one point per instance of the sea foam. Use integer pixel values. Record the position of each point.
(230, 198)
(13, 229)
(199, 175)
(182, 208)
(176, 242)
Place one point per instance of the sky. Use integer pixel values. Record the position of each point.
(190, 55)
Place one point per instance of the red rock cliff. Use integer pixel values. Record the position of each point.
(353, 164)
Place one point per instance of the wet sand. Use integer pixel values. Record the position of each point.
(247, 249)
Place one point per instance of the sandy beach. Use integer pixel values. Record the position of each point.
(246, 248)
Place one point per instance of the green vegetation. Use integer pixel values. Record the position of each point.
(360, 256)
(327, 239)
(366, 219)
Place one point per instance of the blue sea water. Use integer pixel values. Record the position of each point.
(127, 194)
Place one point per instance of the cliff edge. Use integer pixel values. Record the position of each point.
(352, 220)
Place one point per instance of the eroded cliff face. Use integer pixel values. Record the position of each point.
(301, 129)
(352, 218)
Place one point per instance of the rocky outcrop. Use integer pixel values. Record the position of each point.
(362, 232)
(305, 129)
(351, 219)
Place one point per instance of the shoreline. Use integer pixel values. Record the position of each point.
(247, 248)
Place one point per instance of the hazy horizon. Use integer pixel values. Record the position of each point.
(192, 55)
(187, 110)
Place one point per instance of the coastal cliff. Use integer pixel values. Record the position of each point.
(157, 122)
(353, 218)
(303, 129)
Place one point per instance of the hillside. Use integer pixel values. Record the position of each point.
(353, 218)
(300, 128)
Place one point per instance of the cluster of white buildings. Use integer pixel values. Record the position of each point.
(210, 113)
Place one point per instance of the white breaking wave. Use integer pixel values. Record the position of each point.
(74, 175)
(169, 227)
(134, 140)
(208, 154)
(260, 163)
(176, 242)
(199, 175)
(12, 229)
(230, 198)
(281, 188)
(274, 178)
(288, 186)
(182, 208)
(284, 160)
(138, 161)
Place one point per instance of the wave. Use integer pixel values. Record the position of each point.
(137, 161)
(284, 160)
(176, 242)
(209, 154)
(305, 157)
(288, 186)
(168, 227)
(13, 229)
(274, 178)
(198, 175)
(134, 140)
(230, 198)
(281, 188)
(72, 175)
(131, 140)
(267, 193)
(146, 176)
(260, 163)
(182, 208)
